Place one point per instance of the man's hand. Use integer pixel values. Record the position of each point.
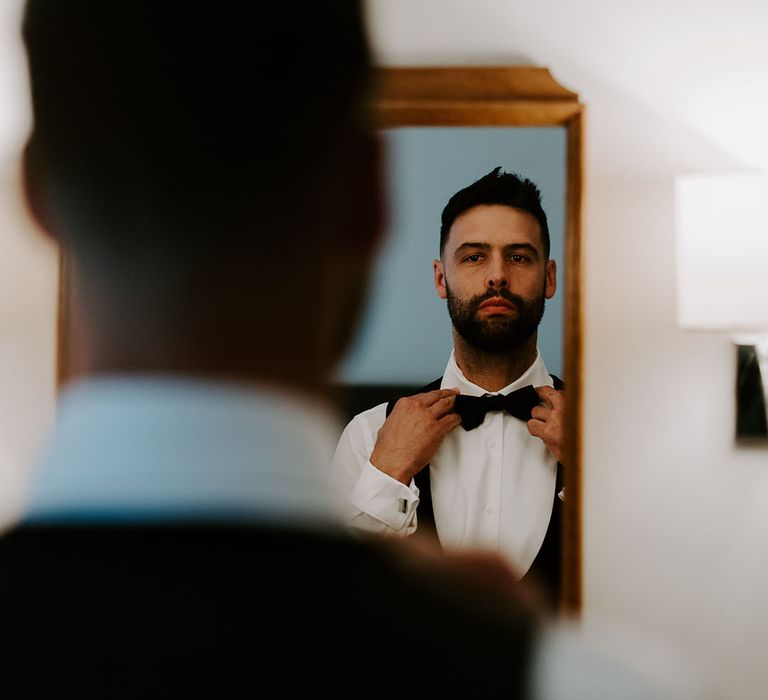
(414, 430)
(548, 421)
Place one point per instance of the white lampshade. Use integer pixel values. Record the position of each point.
(722, 252)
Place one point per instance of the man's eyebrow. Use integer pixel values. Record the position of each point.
(472, 246)
(528, 247)
(510, 248)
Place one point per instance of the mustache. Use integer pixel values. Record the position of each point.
(505, 294)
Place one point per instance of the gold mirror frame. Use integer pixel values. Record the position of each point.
(516, 96)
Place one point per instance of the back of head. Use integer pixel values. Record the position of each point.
(186, 117)
(180, 148)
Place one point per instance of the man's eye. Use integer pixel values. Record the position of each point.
(518, 258)
(473, 258)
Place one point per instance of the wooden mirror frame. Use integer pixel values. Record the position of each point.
(516, 96)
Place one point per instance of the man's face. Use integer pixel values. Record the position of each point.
(495, 276)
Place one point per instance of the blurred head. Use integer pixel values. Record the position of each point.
(212, 176)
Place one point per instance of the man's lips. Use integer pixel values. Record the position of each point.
(497, 304)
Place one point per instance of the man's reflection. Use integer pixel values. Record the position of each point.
(493, 482)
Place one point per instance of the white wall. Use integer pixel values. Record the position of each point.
(670, 87)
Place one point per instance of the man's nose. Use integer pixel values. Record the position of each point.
(497, 277)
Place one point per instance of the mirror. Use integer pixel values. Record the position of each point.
(442, 129)
(454, 125)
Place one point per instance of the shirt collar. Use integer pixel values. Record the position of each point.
(536, 374)
(144, 448)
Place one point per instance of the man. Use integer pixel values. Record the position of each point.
(494, 481)
(181, 535)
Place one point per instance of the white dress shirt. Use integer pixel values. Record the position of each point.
(492, 487)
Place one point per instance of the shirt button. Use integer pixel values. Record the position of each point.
(489, 509)
(491, 444)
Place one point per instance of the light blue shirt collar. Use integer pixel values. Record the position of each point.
(166, 448)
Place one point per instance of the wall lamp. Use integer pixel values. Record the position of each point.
(722, 277)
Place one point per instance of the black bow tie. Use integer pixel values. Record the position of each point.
(519, 403)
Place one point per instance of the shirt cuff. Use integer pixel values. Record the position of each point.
(385, 498)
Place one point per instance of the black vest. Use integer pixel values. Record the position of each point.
(546, 569)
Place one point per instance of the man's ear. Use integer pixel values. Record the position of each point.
(551, 279)
(34, 192)
(439, 271)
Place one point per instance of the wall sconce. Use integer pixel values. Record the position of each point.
(722, 277)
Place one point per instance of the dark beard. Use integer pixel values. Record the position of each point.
(498, 334)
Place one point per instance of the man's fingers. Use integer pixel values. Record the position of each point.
(551, 439)
(449, 422)
(430, 397)
(412, 432)
(552, 397)
(425, 400)
(541, 413)
(442, 406)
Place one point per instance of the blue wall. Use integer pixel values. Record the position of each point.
(405, 336)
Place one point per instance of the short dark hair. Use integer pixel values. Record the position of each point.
(497, 187)
(189, 116)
